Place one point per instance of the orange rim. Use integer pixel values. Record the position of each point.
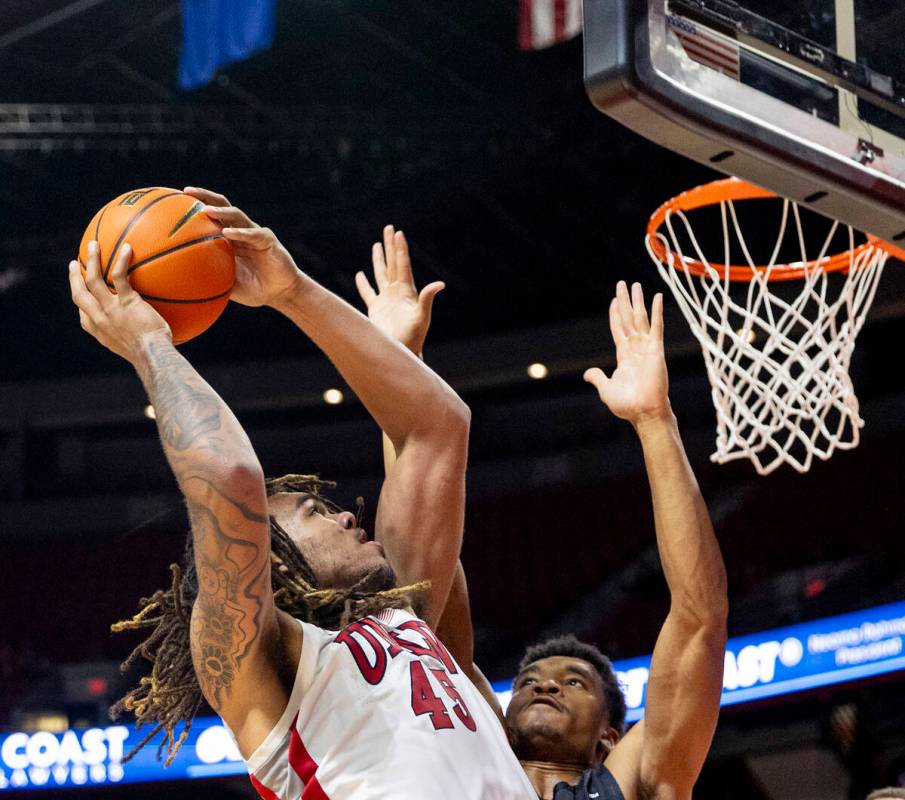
(711, 194)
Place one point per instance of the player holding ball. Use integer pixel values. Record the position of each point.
(314, 645)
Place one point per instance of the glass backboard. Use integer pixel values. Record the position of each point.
(803, 97)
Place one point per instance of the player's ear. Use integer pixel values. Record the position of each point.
(609, 738)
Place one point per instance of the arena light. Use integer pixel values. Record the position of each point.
(333, 397)
(538, 371)
(150, 413)
(50, 721)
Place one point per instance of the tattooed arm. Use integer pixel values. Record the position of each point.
(223, 484)
(234, 623)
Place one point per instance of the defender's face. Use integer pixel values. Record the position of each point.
(333, 545)
(558, 713)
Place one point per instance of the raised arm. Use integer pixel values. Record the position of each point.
(423, 495)
(404, 314)
(233, 618)
(663, 755)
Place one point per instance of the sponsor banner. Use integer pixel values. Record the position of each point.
(93, 757)
(784, 660)
(791, 659)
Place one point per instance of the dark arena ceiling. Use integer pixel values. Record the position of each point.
(511, 187)
(513, 190)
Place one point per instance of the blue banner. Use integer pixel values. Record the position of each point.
(791, 659)
(93, 757)
(776, 662)
(218, 32)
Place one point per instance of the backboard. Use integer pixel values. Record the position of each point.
(803, 97)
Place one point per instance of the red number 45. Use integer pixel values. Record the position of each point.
(424, 701)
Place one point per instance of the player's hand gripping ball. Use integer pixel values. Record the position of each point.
(181, 264)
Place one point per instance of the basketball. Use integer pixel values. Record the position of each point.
(181, 264)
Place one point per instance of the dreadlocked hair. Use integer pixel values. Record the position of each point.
(171, 695)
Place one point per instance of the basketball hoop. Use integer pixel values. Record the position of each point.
(777, 356)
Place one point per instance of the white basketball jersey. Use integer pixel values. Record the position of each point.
(381, 711)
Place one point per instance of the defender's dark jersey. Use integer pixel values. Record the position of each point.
(595, 784)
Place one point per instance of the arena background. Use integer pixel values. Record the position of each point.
(530, 205)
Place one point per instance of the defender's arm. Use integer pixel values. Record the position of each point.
(686, 673)
(404, 314)
(662, 757)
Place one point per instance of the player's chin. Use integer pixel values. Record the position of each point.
(376, 575)
(534, 736)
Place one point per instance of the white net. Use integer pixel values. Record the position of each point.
(777, 353)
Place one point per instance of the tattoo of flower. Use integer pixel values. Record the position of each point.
(216, 666)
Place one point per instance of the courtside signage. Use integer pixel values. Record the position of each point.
(93, 757)
(792, 659)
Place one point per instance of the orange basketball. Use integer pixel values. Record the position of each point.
(181, 264)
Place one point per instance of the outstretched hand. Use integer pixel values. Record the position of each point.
(638, 389)
(265, 272)
(396, 307)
